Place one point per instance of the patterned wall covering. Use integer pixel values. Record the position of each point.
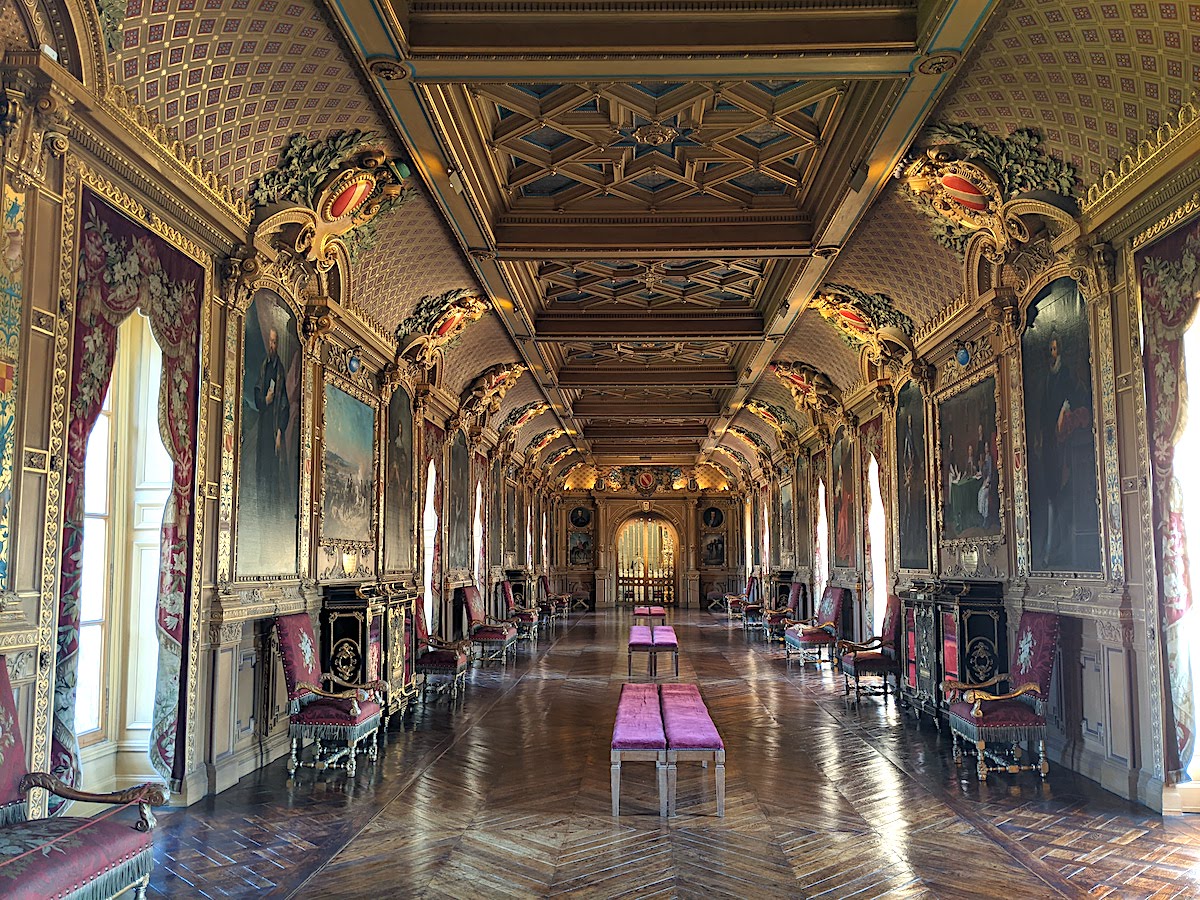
(750, 422)
(525, 391)
(893, 253)
(1093, 76)
(483, 344)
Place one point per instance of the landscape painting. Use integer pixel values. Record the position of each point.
(969, 467)
(913, 493)
(268, 488)
(348, 473)
(1064, 514)
(397, 488)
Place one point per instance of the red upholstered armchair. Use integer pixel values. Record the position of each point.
(1013, 718)
(558, 603)
(493, 637)
(347, 716)
(877, 656)
(440, 659)
(809, 638)
(776, 620)
(736, 603)
(66, 856)
(525, 618)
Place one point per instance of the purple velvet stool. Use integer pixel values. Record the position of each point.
(665, 641)
(691, 737)
(651, 612)
(641, 640)
(638, 736)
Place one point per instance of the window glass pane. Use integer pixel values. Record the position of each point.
(159, 468)
(87, 691)
(97, 469)
(95, 569)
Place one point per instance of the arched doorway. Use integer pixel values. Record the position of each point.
(647, 555)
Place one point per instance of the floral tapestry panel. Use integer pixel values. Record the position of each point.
(12, 284)
(1169, 278)
(123, 266)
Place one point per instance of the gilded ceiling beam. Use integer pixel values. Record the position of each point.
(644, 409)
(552, 326)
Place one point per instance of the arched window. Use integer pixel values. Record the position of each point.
(821, 554)
(477, 537)
(429, 526)
(877, 533)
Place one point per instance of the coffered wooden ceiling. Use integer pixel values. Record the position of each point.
(641, 184)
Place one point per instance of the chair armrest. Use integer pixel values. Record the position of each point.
(874, 643)
(355, 693)
(963, 686)
(979, 697)
(378, 685)
(456, 646)
(522, 609)
(145, 795)
(824, 626)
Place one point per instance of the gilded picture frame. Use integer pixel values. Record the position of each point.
(990, 532)
(349, 479)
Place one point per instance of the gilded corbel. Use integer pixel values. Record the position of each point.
(319, 320)
(34, 119)
(1003, 313)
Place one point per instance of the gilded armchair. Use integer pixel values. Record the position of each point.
(735, 604)
(776, 620)
(67, 856)
(336, 721)
(877, 657)
(1014, 717)
(493, 638)
(558, 602)
(439, 659)
(525, 618)
(809, 637)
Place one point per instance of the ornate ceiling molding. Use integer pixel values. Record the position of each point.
(487, 391)
(522, 416)
(436, 322)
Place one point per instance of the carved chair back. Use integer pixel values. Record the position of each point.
(795, 592)
(421, 626)
(12, 754)
(300, 655)
(890, 631)
(830, 607)
(752, 589)
(544, 585)
(1033, 655)
(474, 602)
(509, 600)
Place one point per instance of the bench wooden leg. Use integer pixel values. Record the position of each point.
(721, 783)
(672, 779)
(631, 663)
(676, 663)
(616, 786)
(661, 765)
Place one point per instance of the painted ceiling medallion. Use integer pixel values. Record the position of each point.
(437, 322)
(523, 415)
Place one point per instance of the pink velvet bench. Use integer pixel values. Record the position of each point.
(641, 640)
(638, 736)
(651, 612)
(665, 641)
(691, 737)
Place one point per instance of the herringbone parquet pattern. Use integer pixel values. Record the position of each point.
(508, 796)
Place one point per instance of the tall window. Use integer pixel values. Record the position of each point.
(877, 531)
(821, 555)
(127, 481)
(429, 526)
(477, 536)
(1188, 479)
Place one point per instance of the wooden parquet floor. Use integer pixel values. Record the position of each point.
(507, 796)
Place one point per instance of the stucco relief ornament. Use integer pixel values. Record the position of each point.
(543, 440)
(436, 323)
(812, 390)
(488, 390)
(781, 423)
(522, 416)
(330, 192)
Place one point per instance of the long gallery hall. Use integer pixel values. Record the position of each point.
(512, 448)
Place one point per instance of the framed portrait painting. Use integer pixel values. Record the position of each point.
(268, 486)
(1064, 513)
(459, 504)
(787, 522)
(970, 463)
(579, 548)
(912, 496)
(398, 495)
(845, 543)
(712, 551)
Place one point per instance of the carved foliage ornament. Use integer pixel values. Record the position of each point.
(776, 416)
(963, 175)
(543, 440)
(437, 322)
(34, 119)
(812, 390)
(523, 415)
(339, 184)
(488, 390)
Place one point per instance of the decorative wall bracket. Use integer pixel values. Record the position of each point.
(485, 394)
(436, 322)
(34, 120)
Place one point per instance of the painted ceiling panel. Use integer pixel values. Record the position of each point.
(815, 342)
(484, 344)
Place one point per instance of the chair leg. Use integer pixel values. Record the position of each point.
(661, 767)
(957, 748)
(293, 760)
(616, 787)
(1043, 763)
(721, 785)
(981, 764)
(352, 760)
(139, 888)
